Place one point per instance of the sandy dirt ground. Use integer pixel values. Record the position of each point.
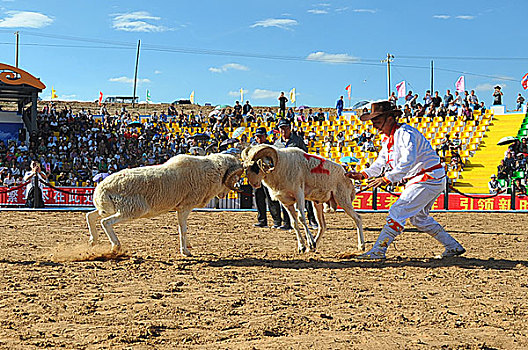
(246, 288)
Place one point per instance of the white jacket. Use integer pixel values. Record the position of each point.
(404, 154)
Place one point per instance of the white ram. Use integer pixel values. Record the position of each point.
(181, 184)
(292, 176)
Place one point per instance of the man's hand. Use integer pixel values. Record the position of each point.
(354, 175)
(377, 182)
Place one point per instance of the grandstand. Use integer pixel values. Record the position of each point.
(479, 152)
(477, 173)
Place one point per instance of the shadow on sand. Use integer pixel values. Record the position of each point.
(462, 262)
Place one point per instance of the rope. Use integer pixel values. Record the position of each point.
(64, 191)
(15, 188)
(474, 197)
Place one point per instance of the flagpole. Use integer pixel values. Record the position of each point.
(388, 60)
(135, 75)
(432, 76)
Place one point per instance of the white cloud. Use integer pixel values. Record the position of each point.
(465, 17)
(283, 23)
(321, 56)
(127, 80)
(137, 22)
(318, 12)
(487, 87)
(441, 16)
(259, 94)
(24, 19)
(228, 66)
(236, 93)
(157, 72)
(341, 9)
(365, 10)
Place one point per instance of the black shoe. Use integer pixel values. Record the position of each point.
(276, 226)
(285, 227)
(261, 224)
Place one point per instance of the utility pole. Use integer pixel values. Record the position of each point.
(432, 77)
(17, 34)
(135, 75)
(388, 60)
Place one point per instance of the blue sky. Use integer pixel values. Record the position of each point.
(218, 47)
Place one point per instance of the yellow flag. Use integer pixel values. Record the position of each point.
(192, 97)
(241, 95)
(292, 95)
(53, 93)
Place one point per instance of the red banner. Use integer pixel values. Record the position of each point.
(51, 196)
(456, 202)
(363, 201)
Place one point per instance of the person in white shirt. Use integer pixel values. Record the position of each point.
(406, 156)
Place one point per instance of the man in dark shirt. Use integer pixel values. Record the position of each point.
(291, 139)
(437, 100)
(448, 98)
(262, 193)
(247, 107)
(282, 104)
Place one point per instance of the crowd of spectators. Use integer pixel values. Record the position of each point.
(73, 148)
(431, 106)
(512, 169)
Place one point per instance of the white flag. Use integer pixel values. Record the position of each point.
(460, 84)
(400, 87)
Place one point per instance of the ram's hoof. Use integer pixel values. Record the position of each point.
(313, 246)
(186, 252)
(301, 249)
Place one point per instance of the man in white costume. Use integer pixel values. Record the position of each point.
(406, 156)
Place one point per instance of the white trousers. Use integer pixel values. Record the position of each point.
(415, 203)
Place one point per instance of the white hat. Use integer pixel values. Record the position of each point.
(493, 176)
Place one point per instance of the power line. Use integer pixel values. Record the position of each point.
(466, 58)
(200, 51)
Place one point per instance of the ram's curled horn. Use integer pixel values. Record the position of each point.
(265, 152)
(232, 176)
(244, 157)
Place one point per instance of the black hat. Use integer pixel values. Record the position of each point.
(497, 87)
(261, 131)
(383, 108)
(283, 122)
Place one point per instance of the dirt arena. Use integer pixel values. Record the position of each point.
(246, 288)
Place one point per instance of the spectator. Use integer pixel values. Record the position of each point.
(414, 102)
(262, 195)
(247, 108)
(523, 148)
(282, 104)
(9, 180)
(502, 171)
(497, 95)
(340, 140)
(482, 108)
(448, 98)
(494, 186)
(408, 98)
(427, 99)
(520, 102)
(473, 100)
(436, 100)
(519, 188)
(340, 104)
(393, 99)
(33, 194)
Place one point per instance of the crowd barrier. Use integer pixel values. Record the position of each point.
(371, 200)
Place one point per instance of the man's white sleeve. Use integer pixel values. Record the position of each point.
(407, 157)
(377, 167)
